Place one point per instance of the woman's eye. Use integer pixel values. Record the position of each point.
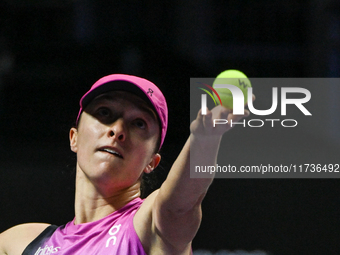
(104, 112)
(140, 123)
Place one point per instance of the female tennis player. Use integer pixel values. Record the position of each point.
(120, 128)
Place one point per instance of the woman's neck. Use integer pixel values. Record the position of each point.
(92, 204)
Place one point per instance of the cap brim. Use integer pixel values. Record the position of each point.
(117, 85)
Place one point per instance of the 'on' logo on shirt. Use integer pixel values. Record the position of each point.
(112, 232)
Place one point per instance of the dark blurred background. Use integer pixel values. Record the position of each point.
(52, 51)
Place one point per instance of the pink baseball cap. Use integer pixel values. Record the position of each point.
(143, 88)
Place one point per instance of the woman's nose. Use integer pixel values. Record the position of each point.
(117, 130)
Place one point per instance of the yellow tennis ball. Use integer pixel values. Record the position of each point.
(232, 77)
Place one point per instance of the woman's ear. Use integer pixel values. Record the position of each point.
(153, 163)
(73, 139)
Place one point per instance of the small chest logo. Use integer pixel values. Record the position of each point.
(47, 250)
(112, 232)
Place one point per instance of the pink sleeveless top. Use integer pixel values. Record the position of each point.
(113, 234)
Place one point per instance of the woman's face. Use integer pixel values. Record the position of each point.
(116, 140)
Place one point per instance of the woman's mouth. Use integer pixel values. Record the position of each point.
(111, 151)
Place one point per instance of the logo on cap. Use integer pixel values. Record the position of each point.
(150, 91)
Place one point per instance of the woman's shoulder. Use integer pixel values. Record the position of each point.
(14, 240)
